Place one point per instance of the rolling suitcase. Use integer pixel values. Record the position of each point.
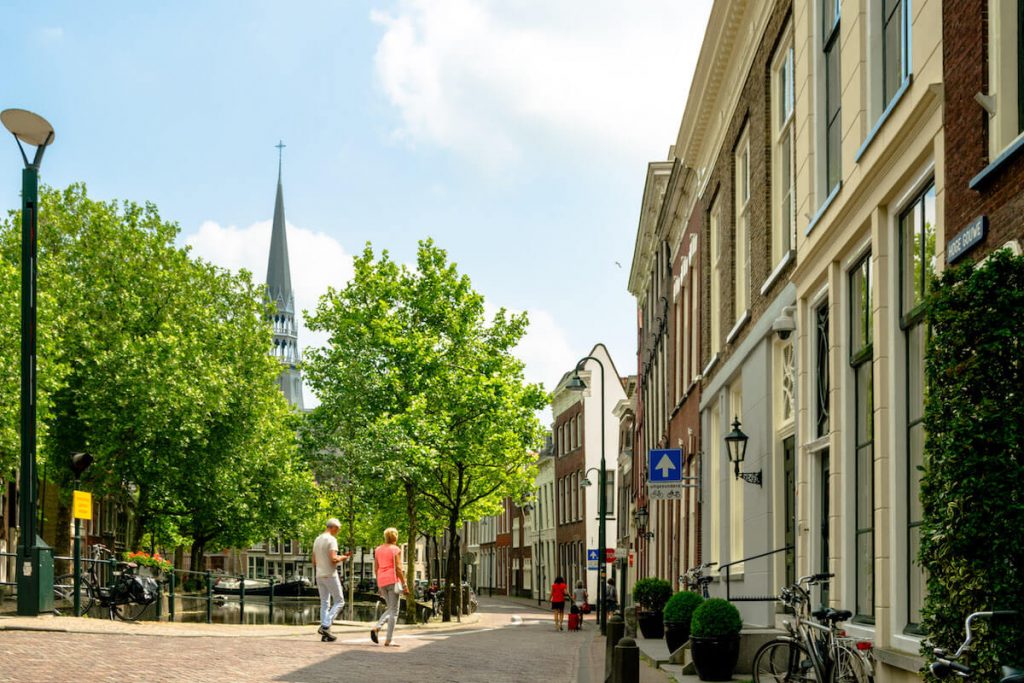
(575, 621)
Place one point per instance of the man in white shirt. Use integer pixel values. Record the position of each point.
(325, 562)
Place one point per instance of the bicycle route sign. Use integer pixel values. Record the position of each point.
(665, 474)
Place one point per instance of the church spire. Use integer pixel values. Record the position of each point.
(279, 291)
(279, 276)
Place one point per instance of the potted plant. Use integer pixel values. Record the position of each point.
(715, 639)
(678, 612)
(149, 565)
(650, 595)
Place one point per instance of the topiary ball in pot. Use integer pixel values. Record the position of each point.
(677, 613)
(651, 594)
(715, 639)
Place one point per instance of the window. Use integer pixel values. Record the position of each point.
(895, 65)
(715, 483)
(821, 382)
(681, 356)
(833, 92)
(741, 246)
(863, 402)
(694, 330)
(561, 501)
(716, 279)
(1005, 73)
(783, 150)
(917, 265)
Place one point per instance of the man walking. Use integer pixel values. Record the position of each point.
(325, 562)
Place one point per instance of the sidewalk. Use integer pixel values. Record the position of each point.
(51, 623)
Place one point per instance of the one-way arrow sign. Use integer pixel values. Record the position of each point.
(665, 465)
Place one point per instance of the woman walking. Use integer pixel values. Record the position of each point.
(558, 589)
(579, 598)
(387, 567)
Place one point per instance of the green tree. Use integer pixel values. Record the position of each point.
(413, 367)
(162, 373)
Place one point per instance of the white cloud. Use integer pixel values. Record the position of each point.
(490, 79)
(318, 261)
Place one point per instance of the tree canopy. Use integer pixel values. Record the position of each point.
(424, 394)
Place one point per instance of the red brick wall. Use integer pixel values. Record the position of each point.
(1001, 196)
(754, 112)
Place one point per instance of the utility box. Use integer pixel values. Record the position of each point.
(35, 580)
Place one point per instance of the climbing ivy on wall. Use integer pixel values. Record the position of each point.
(972, 488)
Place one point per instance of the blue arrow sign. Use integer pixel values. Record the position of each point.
(665, 465)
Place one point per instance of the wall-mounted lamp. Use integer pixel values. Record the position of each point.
(736, 444)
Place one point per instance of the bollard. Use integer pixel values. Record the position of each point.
(626, 664)
(209, 598)
(241, 597)
(170, 599)
(616, 630)
(159, 601)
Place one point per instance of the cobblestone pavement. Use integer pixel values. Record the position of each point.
(509, 642)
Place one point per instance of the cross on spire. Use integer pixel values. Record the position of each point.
(280, 153)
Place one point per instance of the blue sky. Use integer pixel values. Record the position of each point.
(516, 134)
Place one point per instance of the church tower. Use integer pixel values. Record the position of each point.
(279, 291)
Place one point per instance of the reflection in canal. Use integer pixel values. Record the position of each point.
(291, 611)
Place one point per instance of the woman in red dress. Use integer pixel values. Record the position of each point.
(558, 589)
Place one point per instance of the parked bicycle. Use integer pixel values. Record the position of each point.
(946, 664)
(815, 649)
(128, 598)
(696, 578)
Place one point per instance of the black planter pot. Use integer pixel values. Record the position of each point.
(651, 624)
(715, 658)
(676, 634)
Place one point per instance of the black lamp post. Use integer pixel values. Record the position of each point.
(35, 558)
(736, 444)
(79, 463)
(576, 383)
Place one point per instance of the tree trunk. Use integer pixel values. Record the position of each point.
(196, 559)
(351, 567)
(410, 560)
(454, 578)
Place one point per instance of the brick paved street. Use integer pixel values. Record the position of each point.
(510, 642)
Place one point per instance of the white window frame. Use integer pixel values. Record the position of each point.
(783, 130)
(1003, 65)
(715, 227)
(741, 234)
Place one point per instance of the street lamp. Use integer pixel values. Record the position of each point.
(576, 383)
(35, 558)
(641, 517)
(736, 444)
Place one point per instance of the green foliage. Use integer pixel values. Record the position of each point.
(423, 394)
(679, 608)
(974, 459)
(652, 593)
(162, 372)
(716, 618)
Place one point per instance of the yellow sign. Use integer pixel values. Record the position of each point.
(81, 505)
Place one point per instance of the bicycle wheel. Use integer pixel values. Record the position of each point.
(132, 611)
(783, 660)
(848, 666)
(64, 594)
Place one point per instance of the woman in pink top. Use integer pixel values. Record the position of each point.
(387, 567)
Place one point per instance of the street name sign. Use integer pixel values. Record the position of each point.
(665, 465)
